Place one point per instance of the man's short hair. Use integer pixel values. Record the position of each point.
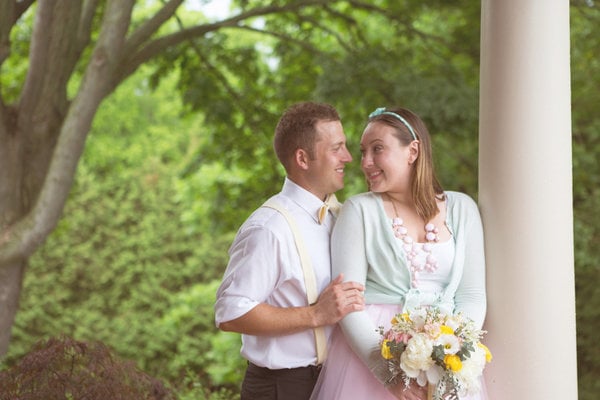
(296, 129)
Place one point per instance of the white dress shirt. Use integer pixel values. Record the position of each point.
(264, 267)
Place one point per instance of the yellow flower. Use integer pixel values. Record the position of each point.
(404, 317)
(488, 353)
(386, 352)
(453, 362)
(446, 330)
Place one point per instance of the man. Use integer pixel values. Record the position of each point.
(265, 293)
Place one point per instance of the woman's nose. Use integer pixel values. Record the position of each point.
(366, 161)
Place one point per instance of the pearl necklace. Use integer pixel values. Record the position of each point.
(426, 263)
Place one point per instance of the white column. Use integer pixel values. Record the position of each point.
(525, 196)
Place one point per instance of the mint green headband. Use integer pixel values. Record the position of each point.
(382, 110)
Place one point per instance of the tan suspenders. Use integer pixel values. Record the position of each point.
(309, 275)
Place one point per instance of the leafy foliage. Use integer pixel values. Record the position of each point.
(585, 72)
(133, 274)
(65, 368)
(164, 184)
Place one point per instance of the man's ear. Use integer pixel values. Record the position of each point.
(413, 149)
(301, 158)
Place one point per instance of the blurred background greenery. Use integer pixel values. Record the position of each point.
(181, 154)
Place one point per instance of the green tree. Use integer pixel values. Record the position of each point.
(105, 288)
(125, 265)
(585, 77)
(102, 268)
(76, 54)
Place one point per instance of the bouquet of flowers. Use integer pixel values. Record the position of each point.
(435, 349)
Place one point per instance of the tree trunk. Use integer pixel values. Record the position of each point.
(12, 207)
(43, 136)
(11, 278)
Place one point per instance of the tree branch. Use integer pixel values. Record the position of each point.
(86, 20)
(349, 20)
(22, 6)
(323, 28)
(150, 50)
(145, 32)
(20, 240)
(305, 45)
(38, 55)
(7, 10)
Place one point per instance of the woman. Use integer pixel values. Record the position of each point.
(410, 243)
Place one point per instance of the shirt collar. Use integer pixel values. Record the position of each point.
(302, 197)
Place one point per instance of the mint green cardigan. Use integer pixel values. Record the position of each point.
(365, 250)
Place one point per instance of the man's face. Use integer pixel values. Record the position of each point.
(326, 170)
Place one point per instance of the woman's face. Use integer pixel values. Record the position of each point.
(385, 162)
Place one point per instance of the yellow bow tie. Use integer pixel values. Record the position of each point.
(331, 204)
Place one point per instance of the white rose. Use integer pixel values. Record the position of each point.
(416, 356)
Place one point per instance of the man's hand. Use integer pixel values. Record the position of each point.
(338, 299)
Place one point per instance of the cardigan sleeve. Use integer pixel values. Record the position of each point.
(470, 296)
(348, 252)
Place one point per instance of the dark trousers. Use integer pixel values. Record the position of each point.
(279, 384)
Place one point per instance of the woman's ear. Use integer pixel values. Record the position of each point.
(413, 149)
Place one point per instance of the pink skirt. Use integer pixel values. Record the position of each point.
(345, 376)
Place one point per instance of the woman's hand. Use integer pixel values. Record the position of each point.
(414, 392)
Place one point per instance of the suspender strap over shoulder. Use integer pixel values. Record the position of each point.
(309, 275)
